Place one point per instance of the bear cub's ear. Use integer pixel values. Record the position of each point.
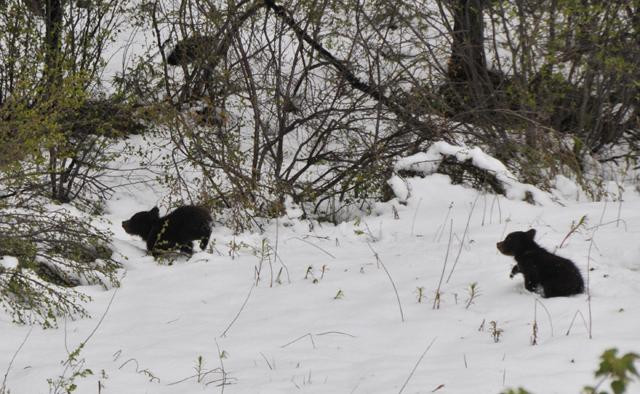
(531, 234)
(155, 212)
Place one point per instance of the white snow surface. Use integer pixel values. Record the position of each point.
(339, 330)
(400, 188)
(8, 262)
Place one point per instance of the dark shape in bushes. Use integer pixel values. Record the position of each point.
(556, 275)
(109, 118)
(189, 50)
(36, 7)
(176, 230)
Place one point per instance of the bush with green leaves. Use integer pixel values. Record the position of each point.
(519, 390)
(74, 368)
(46, 252)
(56, 122)
(619, 370)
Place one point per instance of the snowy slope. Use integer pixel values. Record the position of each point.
(298, 336)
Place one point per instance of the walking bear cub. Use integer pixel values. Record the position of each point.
(176, 230)
(556, 276)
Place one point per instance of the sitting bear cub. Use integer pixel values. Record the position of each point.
(556, 276)
(178, 229)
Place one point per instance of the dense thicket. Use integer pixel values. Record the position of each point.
(315, 99)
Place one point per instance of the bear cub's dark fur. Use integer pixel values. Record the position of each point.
(176, 230)
(557, 276)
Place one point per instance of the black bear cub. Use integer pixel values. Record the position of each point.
(556, 275)
(176, 230)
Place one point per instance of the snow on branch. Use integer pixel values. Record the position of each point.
(472, 165)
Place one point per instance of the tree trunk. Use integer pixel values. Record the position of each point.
(53, 55)
(468, 64)
(53, 75)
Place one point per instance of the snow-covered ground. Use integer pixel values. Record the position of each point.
(333, 324)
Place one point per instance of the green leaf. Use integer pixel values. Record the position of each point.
(618, 386)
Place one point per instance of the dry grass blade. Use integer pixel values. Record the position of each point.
(416, 366)
(224, 333)
(395, 289)
(464, 235)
